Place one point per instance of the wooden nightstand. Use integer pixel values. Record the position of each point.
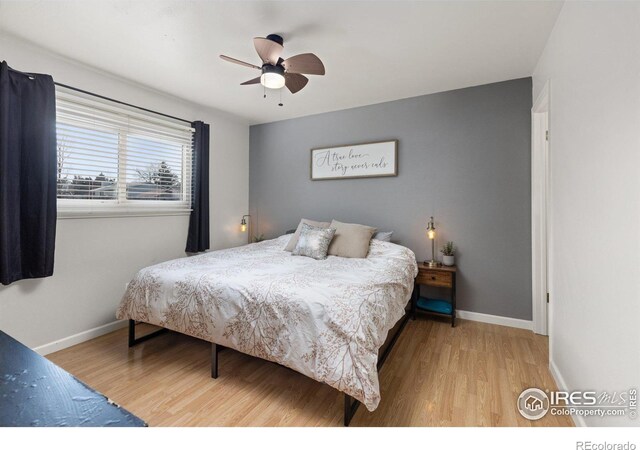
(442, 277)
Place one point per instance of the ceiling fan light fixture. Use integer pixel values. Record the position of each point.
(272, 80)
(276, 72)
(272, 77)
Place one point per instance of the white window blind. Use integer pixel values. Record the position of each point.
(113, 159)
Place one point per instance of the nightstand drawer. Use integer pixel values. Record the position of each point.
(434, 278)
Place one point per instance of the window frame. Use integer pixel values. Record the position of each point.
(121, 206)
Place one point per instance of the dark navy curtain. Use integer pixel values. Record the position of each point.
(27, 175)
(198, 238)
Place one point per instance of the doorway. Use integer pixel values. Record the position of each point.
(540, 212)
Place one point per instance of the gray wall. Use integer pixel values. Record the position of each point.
(464, 157)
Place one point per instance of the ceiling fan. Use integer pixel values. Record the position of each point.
(278, 72)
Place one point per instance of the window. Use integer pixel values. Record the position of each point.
(115, 160)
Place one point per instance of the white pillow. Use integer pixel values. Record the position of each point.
(384, 236)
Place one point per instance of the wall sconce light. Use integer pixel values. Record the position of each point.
(244, 226)
(431, 234)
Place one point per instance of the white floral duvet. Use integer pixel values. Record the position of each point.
(325, 319)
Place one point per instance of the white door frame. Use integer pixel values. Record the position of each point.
(540, 201)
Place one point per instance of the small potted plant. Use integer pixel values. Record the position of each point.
(448, 251)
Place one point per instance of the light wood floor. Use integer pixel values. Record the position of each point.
(470, 375)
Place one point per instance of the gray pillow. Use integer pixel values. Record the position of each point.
(384, 236)
(351, 240)
(313, 241)
(294, 239)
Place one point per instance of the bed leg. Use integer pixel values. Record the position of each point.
(132, 333)
(347, 410)
(214, 360)
(415, 295)
(350, 407)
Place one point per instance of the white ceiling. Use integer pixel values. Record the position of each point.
(373, 51)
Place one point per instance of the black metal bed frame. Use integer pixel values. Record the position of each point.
(132, 334)
(350, 404)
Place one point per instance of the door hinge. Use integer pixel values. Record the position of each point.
(546, 135)
(547, 297)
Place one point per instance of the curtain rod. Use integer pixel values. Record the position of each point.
(121, 103)
(32, 75)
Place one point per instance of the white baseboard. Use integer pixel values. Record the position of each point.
(562, 385)
(113, 326)
(496, 320)
(80, 337)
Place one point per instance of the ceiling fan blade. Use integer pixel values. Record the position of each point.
(253, 81)
(295, 81)
(237, 61)
(268, 50)
(304, 63)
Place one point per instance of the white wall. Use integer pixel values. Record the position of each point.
(96, 257)
(592, 60)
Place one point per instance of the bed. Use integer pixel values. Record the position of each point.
(326, 319)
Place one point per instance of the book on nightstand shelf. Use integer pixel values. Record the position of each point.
(435, 305)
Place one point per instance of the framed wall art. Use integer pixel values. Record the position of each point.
(372, 159)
